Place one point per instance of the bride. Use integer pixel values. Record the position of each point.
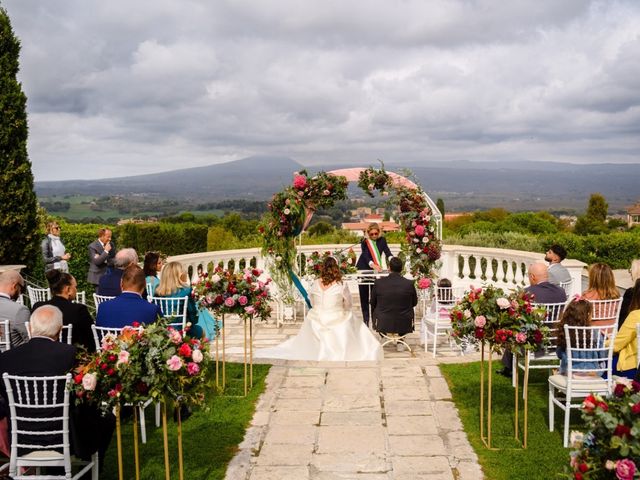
(330, 332)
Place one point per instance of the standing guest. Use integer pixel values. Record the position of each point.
(64, 289)
(602, 286)
(543, 291)
(109, 284)
(101, 253)
(373, 246)
(152, 265)
(392, 300)
(634, 271)
(175, 283)
(129, 306)
(53, 252)
(625, 345)
(43, 355)
(11, 285)
(557, 272)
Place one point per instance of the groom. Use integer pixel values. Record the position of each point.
(392, 301)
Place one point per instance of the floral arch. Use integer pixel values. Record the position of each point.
(290, 211)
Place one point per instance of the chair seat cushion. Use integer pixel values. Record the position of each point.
(585, 384)
(43, 455)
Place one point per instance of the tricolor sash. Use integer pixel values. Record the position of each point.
(373, 250)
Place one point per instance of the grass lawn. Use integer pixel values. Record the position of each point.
(209, 438)
(545, 456)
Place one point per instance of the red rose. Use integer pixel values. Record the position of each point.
(78, 378)
(479, 333)
(110, 372)
(112, 358)
(185, 350)
(603, 406)
(619, 390)
(537, 336)
(583, 467)
(219, 300)
(142, 387)
(636, 408)
(622, 431)
(578, 476)
(104, 366)
(635, 386)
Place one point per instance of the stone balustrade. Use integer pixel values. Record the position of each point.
(462, 265)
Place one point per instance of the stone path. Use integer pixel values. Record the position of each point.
(354, 420)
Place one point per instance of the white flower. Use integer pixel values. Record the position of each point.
(467, 313)
(278, 258)
(215, 278)
(287, 211)
(197, 356)
(89, 381)
(503, 303)
(576, 438)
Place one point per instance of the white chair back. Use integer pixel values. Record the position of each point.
(20, 299)
(553, 313)
(38, 294)
(39, 406)
(174, 308)
(589, 355)
(150, 291)
(66, 334)
(98, 299)
(5, 335)
(81, 297)
(100, 332)
(605, 311)
(567, 287)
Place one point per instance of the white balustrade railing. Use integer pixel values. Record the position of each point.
(460, 264)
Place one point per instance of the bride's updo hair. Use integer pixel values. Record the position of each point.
(330, 271)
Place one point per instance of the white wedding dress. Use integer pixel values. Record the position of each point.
(330, 332)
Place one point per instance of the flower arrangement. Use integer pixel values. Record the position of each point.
(241, 293)
(372, 179)
(346, 262)
(611, 447)
(505, 321)
(288, 211)
(143, 362)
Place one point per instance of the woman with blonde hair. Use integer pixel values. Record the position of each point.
(602, 286)
(330, 332)
(175, 283)
(625, 309)
(54, 254)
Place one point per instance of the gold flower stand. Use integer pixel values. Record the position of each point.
(136, 451)
(486, 401)
(221, 370)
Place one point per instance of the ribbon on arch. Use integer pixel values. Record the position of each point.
(296, 281)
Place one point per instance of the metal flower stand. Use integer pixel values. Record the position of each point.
(224, 364)
(486, 404)
(221, 370)
(136, 454)
(250, 347)
(165, 437)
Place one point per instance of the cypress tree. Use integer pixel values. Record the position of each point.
(18, 203)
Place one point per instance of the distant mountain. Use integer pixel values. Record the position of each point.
(464, 185)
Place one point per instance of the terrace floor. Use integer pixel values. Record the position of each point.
(353, 420)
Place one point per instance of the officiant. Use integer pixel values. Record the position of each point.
(374, 245)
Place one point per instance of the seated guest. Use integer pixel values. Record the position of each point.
(558, 273)
(602, 286)
(64, 289)
(109, 284)
(634, 271)
(152, 265)
(543, 291)
(175, 283)
(625, 346)
(577, 314)
(11, 285)
(392, 300)
(129, 306)
(43, 355)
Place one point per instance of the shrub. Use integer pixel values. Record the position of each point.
(170, 239)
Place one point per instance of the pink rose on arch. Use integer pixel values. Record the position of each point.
(503, 303)
(419, 230)
(229, 302)
(521, 337)
(89, 381)
(250, 310)
(299, 182)
(193, 368)
(174, 363)
(480, 321)
(625, 469)
(242, 300)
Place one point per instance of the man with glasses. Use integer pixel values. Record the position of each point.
(11, 286)
(374, 245)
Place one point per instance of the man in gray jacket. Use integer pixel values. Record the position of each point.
(101, 253)
(11, 285)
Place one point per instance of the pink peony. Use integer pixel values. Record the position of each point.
(480, 321)
(197, 356)
(503, 303)
(424, 283)
(175, 336)
(174, 363)
(89, 381)
(250, 310)
(521, 337)
(625, 469)
(123, 357)
(419, 230)
(299, 182)
(242, 300)
(229, 302)
(192, 368)
(326, 193)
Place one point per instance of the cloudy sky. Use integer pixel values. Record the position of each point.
(129, 87)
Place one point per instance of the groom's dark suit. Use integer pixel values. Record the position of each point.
(392, 300)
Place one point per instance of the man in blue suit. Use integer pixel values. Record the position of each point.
(129, 306)
(109, 284)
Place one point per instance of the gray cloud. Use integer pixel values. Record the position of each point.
(121, 87)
